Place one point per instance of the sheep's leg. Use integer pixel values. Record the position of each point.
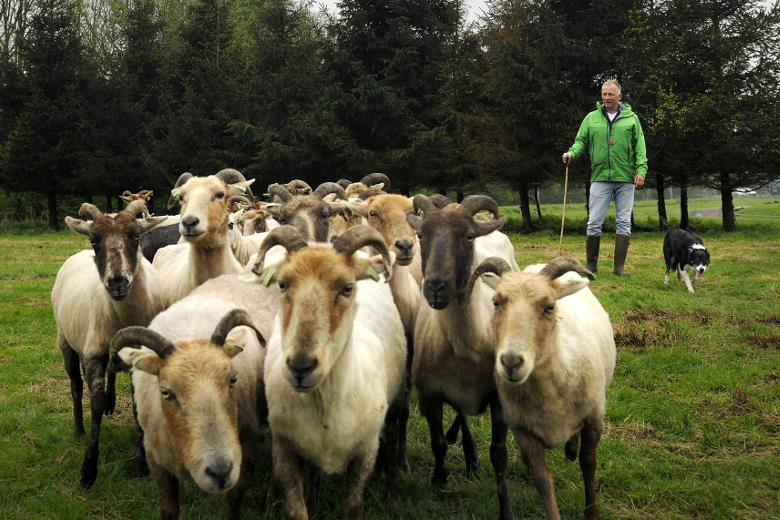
(392, 441)
(535, 458)
(235, 497)
(470, 452)
(591, 434)
(500, 459)
(95, 373)
(313, 478)
(452, 433)
(432, 410)
(141, 466)
(287, 478)
(572, 445)
(167, 490)
(71, 361)
(110, 393)
(358, 471)
(666, 278)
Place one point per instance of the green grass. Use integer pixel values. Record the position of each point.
(693, 413)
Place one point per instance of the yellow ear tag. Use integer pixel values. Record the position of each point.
(234, 344)
(268, 276)
(176, 193)
(372, 273)
(139, 357)
(241, 188)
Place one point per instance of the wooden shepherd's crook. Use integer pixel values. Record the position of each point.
(563, 216)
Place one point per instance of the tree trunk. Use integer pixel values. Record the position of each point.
(525, 205)
(684, 220)
(727, 203)
(54, 222)
(538, 207)
(663, 218)
(460, 188)
(443, 190)
(109, 208)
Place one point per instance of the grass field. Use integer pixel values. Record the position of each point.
(693, 413)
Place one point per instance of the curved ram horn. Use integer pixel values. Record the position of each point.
(286, 236)
(126, 193)
(90, 210)
(563, 264)
(357, 237)
(136, 207)
(421, 202)
(231, 320)
(241, 198)
(376, 178)
(492, 264)
(181, 181)
(279, 191)
(138, 336)
(440, 201)
(232, 176)
(298, 184)
(373, 192)
(329, 187)
(344, 183)
(475, 203)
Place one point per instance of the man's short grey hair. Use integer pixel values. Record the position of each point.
(612, 82)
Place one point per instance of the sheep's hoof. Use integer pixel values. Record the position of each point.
(88, 474)
(440, 476)
(110, 403)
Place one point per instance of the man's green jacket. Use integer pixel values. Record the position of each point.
(617, 152)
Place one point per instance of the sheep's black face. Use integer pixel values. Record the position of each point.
(447, 252)
(115, 242)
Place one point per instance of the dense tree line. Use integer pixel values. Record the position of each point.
(97, 97)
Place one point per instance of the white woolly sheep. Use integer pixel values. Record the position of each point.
(335, 363)
(201, 402)
(454, 345)
(554, 362)
(95, 294)
(205, 216)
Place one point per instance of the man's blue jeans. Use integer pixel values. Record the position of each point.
(601, 194)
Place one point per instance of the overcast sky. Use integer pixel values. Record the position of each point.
(474, 7)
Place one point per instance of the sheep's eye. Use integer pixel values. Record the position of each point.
(496, 304)
(372, 214)
(282, 221)
(220, 195)
(94, 240)
(233, 381)
(347, 290)
(167, 394)
(550, 308)
(282, 287)
(137, 236)
(325, 216)
(419, 237)
(470, 237)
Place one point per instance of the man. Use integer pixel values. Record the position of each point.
(612, 136)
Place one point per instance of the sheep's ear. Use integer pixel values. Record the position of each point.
(78, 225)
(361, 208)
(142, 359)
(239, 337)
(569, 283)
(150, 223)
(413, 220)
(491, 280)
(374, 266)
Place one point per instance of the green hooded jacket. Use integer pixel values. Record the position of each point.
(617, 152)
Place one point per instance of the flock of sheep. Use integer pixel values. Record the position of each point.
(314, 313)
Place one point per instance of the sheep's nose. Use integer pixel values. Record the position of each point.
(302, 368)
(190, 223)
(118, 286)
(219, 471)
(404, 249)
(435, 286)
(512, 363)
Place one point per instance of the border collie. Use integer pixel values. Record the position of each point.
(685, 253)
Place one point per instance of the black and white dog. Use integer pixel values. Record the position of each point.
(685, 253)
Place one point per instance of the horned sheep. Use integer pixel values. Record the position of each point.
(335, 363)
(554, 362)
(95, 294)
(205, 218)
(454, 346)
(201, 402)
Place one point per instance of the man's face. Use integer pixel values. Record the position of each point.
(610, 97)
